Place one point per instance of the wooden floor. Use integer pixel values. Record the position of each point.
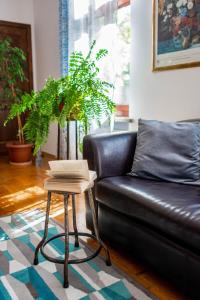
(21, 188)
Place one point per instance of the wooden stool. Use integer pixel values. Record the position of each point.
(66, 234)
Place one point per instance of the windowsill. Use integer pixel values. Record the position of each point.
(124, 124)
(123, 119)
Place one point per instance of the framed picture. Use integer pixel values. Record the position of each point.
(176, 34)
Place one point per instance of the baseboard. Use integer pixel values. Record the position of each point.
(50, 156)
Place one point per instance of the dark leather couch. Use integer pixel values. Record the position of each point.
(157, 222)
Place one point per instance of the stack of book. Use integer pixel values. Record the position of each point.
(71, 176)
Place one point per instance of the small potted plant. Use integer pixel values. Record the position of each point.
(12, 63)
(81, 96)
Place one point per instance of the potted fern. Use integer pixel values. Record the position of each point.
(12, 62)
(81, 95)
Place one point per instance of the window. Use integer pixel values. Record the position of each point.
(96, 19)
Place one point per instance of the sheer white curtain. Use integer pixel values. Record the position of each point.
(94, 20)
(88, 20)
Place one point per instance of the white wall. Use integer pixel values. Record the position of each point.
(20, 11)
(46, 19)
(168, 95)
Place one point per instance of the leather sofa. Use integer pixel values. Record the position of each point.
(155, 221)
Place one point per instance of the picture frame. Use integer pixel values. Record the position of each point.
(176, 34)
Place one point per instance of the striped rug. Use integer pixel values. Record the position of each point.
(19, 279)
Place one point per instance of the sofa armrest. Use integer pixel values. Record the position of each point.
(110, 154)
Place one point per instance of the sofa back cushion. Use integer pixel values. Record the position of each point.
(167, 151)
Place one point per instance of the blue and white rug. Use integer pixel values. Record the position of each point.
(19, 279)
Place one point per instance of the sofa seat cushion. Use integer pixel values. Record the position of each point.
(170, 208)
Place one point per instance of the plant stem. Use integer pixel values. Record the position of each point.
(20, 128)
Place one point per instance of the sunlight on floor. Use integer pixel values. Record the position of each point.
(30, 198)
(24, 194)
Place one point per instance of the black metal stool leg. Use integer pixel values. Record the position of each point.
(76, 244)
(66, 259)
(94, 219)
(35, 262)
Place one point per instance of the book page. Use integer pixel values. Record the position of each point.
(69, 169)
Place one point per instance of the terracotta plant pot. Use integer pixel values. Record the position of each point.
(19, 154)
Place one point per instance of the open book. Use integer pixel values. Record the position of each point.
(69, 169)
(70, 176)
